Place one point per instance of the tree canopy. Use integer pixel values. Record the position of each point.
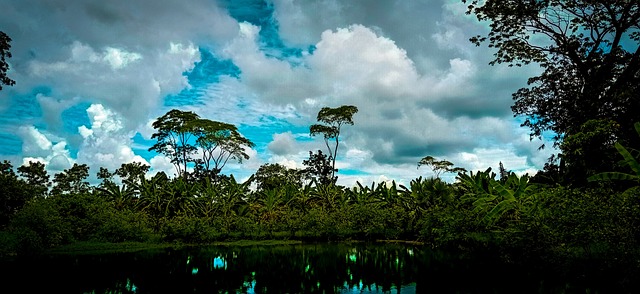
(590, 57)
(219, 142)
(5, 46)
(181, 135)
(439, 166)
(173, 134)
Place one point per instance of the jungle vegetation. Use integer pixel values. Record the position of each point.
(585, 202)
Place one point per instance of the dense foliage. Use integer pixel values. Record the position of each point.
(589, 52)
(479, 210)
(5, 46)
(587, 95)
(506, 212)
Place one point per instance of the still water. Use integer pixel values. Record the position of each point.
(309, 268)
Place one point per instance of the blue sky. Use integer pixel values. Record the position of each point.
(91, 76)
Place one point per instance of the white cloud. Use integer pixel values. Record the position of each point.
(38, 147)
(106, 143)
(161, 163)
(34, 143)
(282, 144)
(421, 87)
(118, 58)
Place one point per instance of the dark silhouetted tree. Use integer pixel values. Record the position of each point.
(439, 166)
(270, 176)
(319, 169)
(5, 46)
(589, 51)
(71, 181)
(219, 142)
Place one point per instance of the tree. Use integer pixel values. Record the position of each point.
(106, 176)
(72, 180)
(36, 177)
(130, 173)
(271, 176)
(174, 131)
(590, 150)
(219, 142)
(503, 173)
(319, 168)
(589, 53)
(333, 119)
(5, 46)
(439, 166)
(181, 133)
(13, 193)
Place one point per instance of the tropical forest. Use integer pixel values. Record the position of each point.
(582, 208)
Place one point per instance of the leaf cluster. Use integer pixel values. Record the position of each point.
(5, 46)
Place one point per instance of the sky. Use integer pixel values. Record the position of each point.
(92, 76)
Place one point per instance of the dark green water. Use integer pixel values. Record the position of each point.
(319, 268)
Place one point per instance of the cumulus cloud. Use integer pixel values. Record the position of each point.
(405, 112)
(45, 148)
(161, 163)
(106, 143)
(125, 55)
(96, 74)
(421, 87)
(282, 144)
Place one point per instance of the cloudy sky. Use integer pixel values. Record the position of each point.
(91, 77)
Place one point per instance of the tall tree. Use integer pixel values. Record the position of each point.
(36, 177)
(333, 119)
(106, 176)
(72, 180)
(219, 142)
(589, 53)
(174, 132)
(5, 46)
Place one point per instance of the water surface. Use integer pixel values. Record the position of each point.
(309, 268)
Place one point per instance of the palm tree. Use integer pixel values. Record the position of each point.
(120, 196)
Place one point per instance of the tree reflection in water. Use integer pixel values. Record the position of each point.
(316, 268)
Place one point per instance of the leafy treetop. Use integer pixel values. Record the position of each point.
(333, 119)
(5, 46)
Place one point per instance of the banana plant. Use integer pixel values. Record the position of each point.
(472, 186)
(270, 202)
(629, 159)
(150, 191)
(427, 193)
(511, 197)
(233, 196)
(329, 196)
(120, 196)
(389, 195)
(180, 197)
(362, 194)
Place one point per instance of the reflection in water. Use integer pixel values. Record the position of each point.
(317, 268)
